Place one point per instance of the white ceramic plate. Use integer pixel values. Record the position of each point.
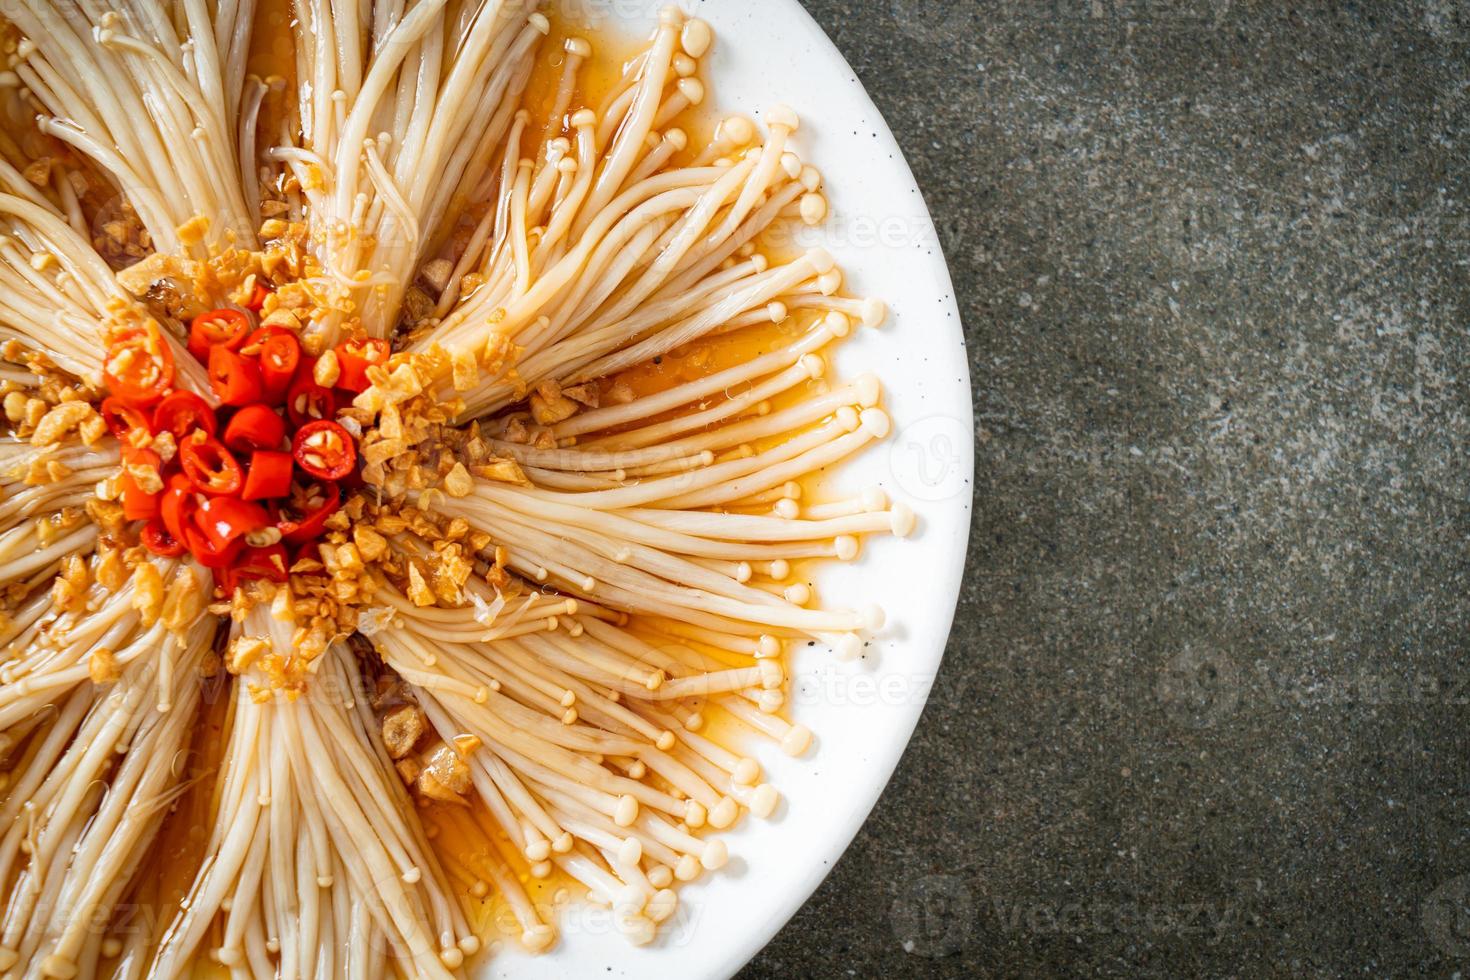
(863, 712)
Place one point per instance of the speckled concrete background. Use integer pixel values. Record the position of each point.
(1204, 709)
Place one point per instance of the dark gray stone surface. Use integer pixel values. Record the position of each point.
(1204, 708)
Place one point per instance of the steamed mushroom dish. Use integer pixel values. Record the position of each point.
(414, 416)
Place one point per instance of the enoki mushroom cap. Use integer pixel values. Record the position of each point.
(696, 38)
(738, 130)
(902, 520)
(797, 740)
(763, 801)
(723, 814)
(538, 937)
(715, 854)
(687, 868)
(747, 772)
(784, 116)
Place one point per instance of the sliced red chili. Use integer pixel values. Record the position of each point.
(205, 552)
(225, 519)
(310, 509)
(180, 500)
(257, 298)
(255, 427)
(268, 476)
(269, 563)
(138, 504)
(235, 379)
(280, 355)
(257, 339)
(181, 413)
(324, 449)
(123, 419)
(354, 357)
(139, 367)
(307, 401)
(160, 540)
(210, 466)
(217, 328)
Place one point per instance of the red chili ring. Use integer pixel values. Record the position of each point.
(182, 412)
(255, 427)
(225, 520)
(270, 563)
(354, 357)
(330, 461)
(179, 502)
(205, 553)
(280, 356)
(147, 374)
(137, 503)
(259, 336)
(123, 419)
(268, 476)
(235, 379)
(160, 540)
(211, 468)
(217, 328)
(307, 401)
(257, 297)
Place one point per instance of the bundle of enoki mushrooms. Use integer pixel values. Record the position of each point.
(546, 635)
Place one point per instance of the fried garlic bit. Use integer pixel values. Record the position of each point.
(402, 728)
(69, 590)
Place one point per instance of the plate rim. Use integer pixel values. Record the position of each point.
(822, 856)
(856, 818)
